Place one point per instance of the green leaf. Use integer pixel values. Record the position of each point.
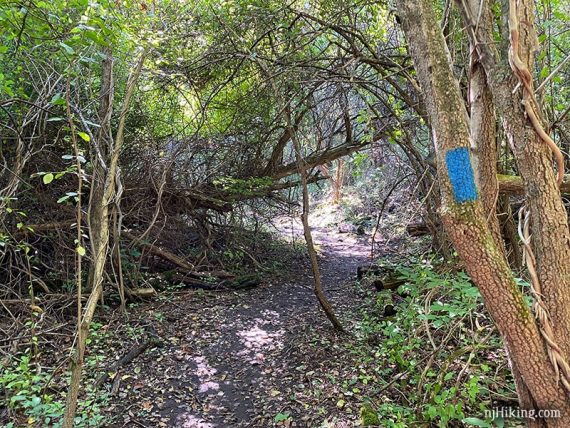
(84, 136)
(57, 100)
(67, 48)
(16, 398)
(279, 417)
(48, 178)
(477, 422)
(81, 250)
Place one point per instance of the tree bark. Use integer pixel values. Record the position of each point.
(323, 301)
(463, 213)
(102, 193)
(484, 138)
(551, 236)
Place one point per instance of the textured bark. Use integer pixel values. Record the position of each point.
(483, 127)
(510, 233)
(551, 236)
(466, 222)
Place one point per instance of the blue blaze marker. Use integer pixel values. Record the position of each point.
(461, 175)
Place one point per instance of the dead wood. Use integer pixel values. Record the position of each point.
(418, 229)
(126, 359)
(155, 250)
(513, 184)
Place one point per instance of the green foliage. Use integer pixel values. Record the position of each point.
(450, 381)
(27, 388)
(281, 417)
(31, 392)
(368, 416)
(248, 187)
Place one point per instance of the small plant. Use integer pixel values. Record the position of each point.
(368, 416)
(24, 386)
(29, 397)
(429, 351)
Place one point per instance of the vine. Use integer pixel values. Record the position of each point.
(561, 366)
(529, 101)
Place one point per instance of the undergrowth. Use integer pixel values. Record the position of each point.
(35, 399)
(439, 361)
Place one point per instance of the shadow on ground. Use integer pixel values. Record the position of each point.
(253, 358)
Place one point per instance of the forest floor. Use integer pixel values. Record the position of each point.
(252, 358)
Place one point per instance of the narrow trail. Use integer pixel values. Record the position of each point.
(239, 359)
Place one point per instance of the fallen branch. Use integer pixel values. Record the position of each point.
(126, 359)
(513, 184)
(418, 229)
(180, 262)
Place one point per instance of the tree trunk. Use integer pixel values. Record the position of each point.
(551, 236)
(484, 143)
(463, 213)
(102, 194)
(98, 225)
(323, 301)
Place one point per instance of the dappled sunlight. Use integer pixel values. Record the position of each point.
(257, 341)
(190, 421)
(205, 372)
(207, 386)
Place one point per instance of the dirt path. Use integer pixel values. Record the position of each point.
(247, 358)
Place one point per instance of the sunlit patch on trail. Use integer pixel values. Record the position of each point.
(190, 421)
(205, 372)
(257, 340)
(207, 386)
(203, 369)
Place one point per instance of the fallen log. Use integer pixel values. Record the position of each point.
(388, 283)
(418, 229)
(191, 281)
(513, 184)
(142, 292)
(381, 278)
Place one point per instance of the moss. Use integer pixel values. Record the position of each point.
(368, 416)
(465, 212)
(509, 179)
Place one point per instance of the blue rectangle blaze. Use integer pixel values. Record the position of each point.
(461, 175)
